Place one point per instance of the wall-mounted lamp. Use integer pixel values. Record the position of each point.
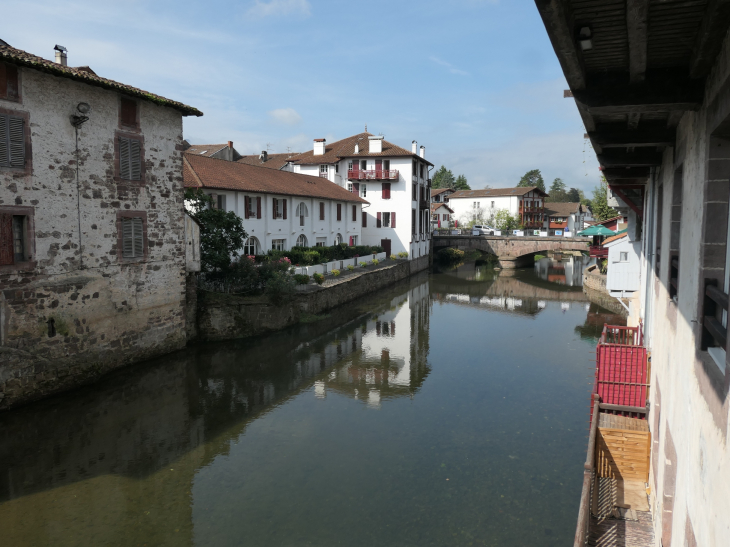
(584, 38)
(78, 119)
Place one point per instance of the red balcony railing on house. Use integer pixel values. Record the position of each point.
(373, 174)
(598, 251)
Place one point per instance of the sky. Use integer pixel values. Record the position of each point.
(474, 81)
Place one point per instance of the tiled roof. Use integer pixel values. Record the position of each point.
(202, 172)
(604, 222)
(619, 235)
(495, 192)
(206, 150)
(562, 209)
(87, 76)
(273, 161)
(436, 206)
(345, 148)
(437, 191)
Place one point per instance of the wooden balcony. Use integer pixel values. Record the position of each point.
(373, 174)
(598, 251)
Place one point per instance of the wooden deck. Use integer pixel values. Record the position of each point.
(622, 532)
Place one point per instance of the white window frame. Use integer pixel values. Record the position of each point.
(278, 244)
(363, 189)
(323, 169)
(302, 239)
(251, 246)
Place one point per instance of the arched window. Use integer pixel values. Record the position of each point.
(302, 241)
(251, 247)
(302, 212)
(338, 239)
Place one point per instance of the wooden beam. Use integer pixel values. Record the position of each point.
(710, 38)
(641, 158)
(627, 138)
(557, 17)
(632, 120)
(627, 175)
(637, 17)
(674, 117)
(638, 210)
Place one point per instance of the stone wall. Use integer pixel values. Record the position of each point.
(225, 316)
(593, 279)
(107, 311)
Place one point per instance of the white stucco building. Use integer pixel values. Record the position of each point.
(279, 209)
(395, 181)
(563, 219)
(482, 205)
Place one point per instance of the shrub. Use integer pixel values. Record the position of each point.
(301, 279)
(280, 287)
(350, 267)
(403, 254)
(335, 272)
(376, 261)
(450, 255)
(243, 274)
(393, 257)
(363, 264)
(318, 278)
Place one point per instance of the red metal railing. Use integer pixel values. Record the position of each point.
(621, 367)
(598, 251)
(373, 174)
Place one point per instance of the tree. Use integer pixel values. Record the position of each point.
(505, 222)
(573, 195)
(461, 183)
(556, 192)
(532, 178)
(599, 203)
(221, 232)
(443, 178)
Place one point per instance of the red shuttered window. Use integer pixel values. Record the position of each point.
(7, 255)
(354, 213)
(386, 190)
(379, 221)
(321, 210)
(246, 206)
(339, 212)
(284, 208)
(364, 219)
(258, 207)
(392, 220)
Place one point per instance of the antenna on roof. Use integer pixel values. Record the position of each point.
(288, 149)
(268, 146)
(366, 128)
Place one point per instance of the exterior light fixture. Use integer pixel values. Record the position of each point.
(77, 120)
(584, 38)
(84, 108)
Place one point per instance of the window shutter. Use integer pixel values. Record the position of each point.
(129, 112)
(127, 238)
(274, 207)
(4, 137)
(355, 187)
(321, 210)
(135, 160)
(284, 209)
(138, 237)
(354, 213)
(364, 219)
(258, 207)
(6, 239)
(339, 211)
(124, 170)
(12, 141)
(379, 221)
(246, 202)
(386, 190)
(3, 80)
(392, 220)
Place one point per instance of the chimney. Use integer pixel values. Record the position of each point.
(319, 145)
(414, 147)
(264, 156)
(61, 58)
(230, 144)
(423, 152)
(376, 144)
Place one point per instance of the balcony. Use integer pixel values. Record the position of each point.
(598, 251)
(373, 174)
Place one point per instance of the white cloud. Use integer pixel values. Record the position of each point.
(279, 7)
(451, 68)
(286, 116)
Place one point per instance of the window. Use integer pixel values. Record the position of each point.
(337, 167)
(12, 141)
(15, 236)
(130, 158)
(302, 241)
(302, 212)
(278, 244)
(321, 210)
(133, 236)
(413, 222)
(349, 187)
(353, 241)
(252, 208)
(128, 114)
(350, 165)
(476, 205)
(386, 220)
(323, 171)
(414, 194)
(623, 257)
(321, 242)
(492, 205)
(415, 163)
(251, 247)
(420, 170)
(674, 235)
(363, 190)
(386, 165)
(338, 239)
(363, 165)
(386, 190)
(364, 219)
(278, 208)
(435, 216)
(339, 212)
(220, 202)
(9, 85)
(446, 217)
(354, 213)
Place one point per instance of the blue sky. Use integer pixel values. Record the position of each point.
(475, 81)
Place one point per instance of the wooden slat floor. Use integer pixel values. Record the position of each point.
(622, 533)
(610, 421)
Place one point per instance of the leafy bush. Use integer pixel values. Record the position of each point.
(403, 254)
(363, 264)
(335, 272)
(318, 278)
(393, 257)
(376, 261)
(350, 267)
(301, 279)
(307, 256)
(450, 255)
(280, 287)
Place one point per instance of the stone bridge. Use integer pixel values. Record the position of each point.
(512, 251)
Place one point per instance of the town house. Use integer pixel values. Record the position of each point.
(480, 206)
(441, 195)
(280, 209)
(394, 180)
(563, 219)
(92, 234)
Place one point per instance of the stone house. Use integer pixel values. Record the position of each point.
(92, 237)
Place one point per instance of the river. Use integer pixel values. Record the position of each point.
(450, 409)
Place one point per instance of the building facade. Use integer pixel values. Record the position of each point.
(441, 195)
(92, 236)
(563, 219)
(481, 206)
(394, 180)
(280, 209)
(441, 216)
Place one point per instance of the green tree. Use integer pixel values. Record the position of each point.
(461, 183)
(443, 178)
(532, 178)
(504, 221)
(221, 232)
(556, 192)
(599, 203)
(573, 195)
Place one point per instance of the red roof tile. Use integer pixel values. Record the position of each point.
(495, 192)
(435, 207)
(273, 161)
(202, 172)
(206, 150)
(562, 209)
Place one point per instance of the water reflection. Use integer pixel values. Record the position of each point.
(563, 269)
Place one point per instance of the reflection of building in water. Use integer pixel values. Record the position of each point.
(566, 271)
(390, 350)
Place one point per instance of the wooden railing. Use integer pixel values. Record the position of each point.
(622, 373)
(715, 302)
(598, 251)
(584, 512)
(373, 174)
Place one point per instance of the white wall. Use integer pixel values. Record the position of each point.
(464, 207)
(623, 276)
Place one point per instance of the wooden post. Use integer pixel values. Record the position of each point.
(584, 512)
